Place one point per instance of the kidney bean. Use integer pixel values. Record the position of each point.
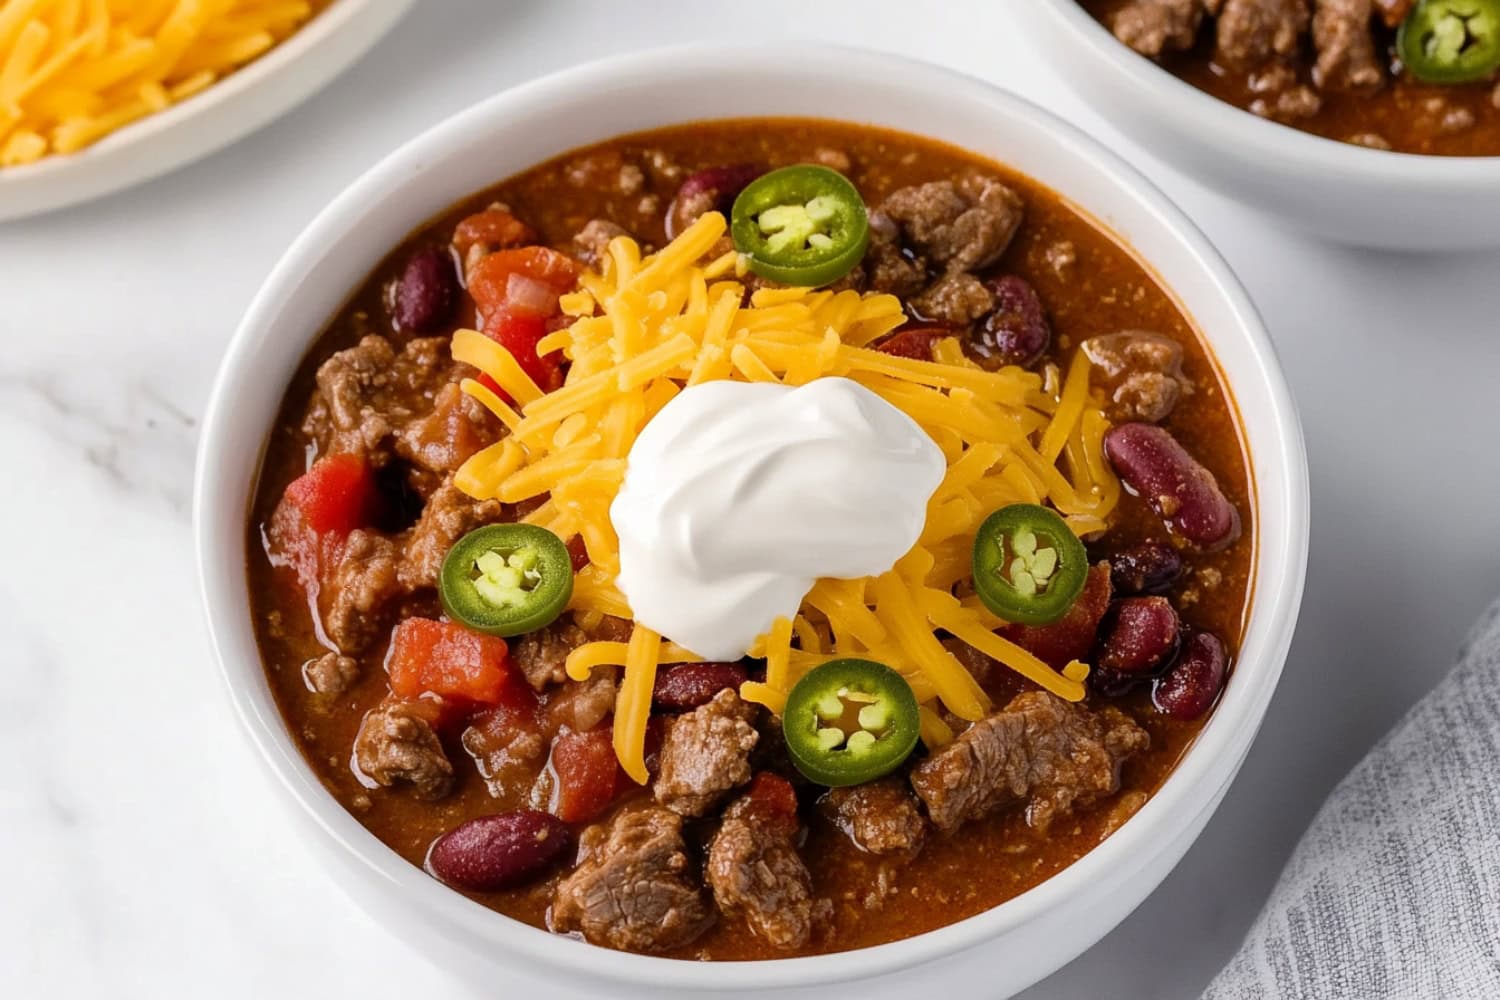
(1016, 331)
(1179, 489)
(1139, 636)
(710, 190)
(1147, 568)
(1189, 688)
(426, 292)
(489, 853)
(688, 685)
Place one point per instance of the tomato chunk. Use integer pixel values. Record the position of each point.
(1072, 636)
(448, 660)
(588, 775)
(914, 342)
(579, 552)
(492, 289)
(494, 228)
(337, 494)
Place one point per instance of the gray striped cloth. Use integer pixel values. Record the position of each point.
(1395, 890)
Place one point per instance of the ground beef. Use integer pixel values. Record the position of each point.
(632, 889)
(359, 591)
(582, 705)
(376, 402)
(705, 754)
(396, 745)
(1040, 751)
(542, 655)
(1153, 26)
(591, 243)
(956, 299)
(880, 817)
(1140, 373)
(448, 515)
(508, 751)
(755, 873)
(957, 226)
(331, 673)
(1249, 32)
(888, 266)
(1345, 40)
(454, 429)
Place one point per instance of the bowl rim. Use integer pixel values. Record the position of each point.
(1256, 139)
(1228, 733)
(225, 111)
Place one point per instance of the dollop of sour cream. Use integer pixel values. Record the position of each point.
(739, 495)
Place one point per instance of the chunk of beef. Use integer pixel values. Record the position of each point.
(369, 395)
(591, 243)
(979, 666)
(396, 745)
(958, 299)
(1393, 12)
(330, 674)
(1250, 32)
(1140, 373)
(509, 749)
(1151, 27)
(582, 705)
(542, 655)
(888, 266)
(880, 817)
(454, 429)
(360, 590)
(632, 889)
(448, 515)
(1039, 751)
(705, 754)
(1345, 40)
(960, 225)
(755, 873)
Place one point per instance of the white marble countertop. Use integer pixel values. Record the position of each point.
(143, 854)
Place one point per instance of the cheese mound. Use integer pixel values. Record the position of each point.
(645, 328)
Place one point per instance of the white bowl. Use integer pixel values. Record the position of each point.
(1022, 940)
(233, 107)
(1336, 190)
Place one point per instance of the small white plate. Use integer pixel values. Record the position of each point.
(233, 107)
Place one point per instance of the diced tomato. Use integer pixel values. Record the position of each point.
(1072, 636)
(579, 552)
(494, 228)
(316, 513)
(443, 714)
(519, 334)
(337, 494)
(914, 342)
(587, 775)
(490, 284)
(773, 793)
(448, 660)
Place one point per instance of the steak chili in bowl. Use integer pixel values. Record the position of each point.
(440, 586)
(1413, 76)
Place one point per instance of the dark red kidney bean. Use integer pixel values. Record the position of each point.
(426, 292)
(1183, 493)
(1112, 683)
(688, 685)
(1147, 568)
(1189, 688)
(1016, 332)
(710, 190)
(1139, 635)
(489, 853)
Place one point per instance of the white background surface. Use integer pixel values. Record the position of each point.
(141, 850)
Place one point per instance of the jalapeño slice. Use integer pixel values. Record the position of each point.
(1451, 41)
(804, 225)
(850, 721)
(506, 579)
(1029, 567)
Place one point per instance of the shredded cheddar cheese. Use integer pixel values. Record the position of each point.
(72, 71)
(645, 328)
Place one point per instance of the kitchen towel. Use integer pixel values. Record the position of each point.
(1394, 892)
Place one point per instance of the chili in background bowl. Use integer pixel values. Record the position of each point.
(1336, 190)
(1015, 943)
